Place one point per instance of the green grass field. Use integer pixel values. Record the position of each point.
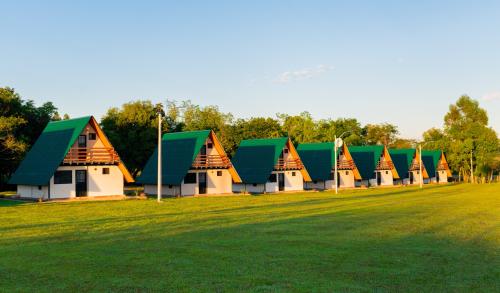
(445, 238)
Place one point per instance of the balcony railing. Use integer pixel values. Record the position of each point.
(346, 164)
(291, 164)
(443, 166)
(211, 161)
(415, 166)
(384, 165)
(91, 156)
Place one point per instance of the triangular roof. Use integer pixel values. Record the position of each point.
(366, 158)
(255, 158)
(319, 159)
(402, 159)
(179, 150)
(51, 147)
(430, 158)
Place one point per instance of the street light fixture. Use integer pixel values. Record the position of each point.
(338, 143)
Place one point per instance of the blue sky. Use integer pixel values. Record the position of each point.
(401, 62)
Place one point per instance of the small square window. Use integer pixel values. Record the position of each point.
(190, 178)
(386, 172)
(254, 184)
(315, 182)
(170, 186)
(272, 178)
(293, 174)
(209, 145)
(285, 151)
(219, 173)
(39, 187)
(347, 172)
(92, 136)
(105, 171)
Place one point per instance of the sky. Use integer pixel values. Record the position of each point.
(402, 62)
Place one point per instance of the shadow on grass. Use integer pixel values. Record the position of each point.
(334, 251)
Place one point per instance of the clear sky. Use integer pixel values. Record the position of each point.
(401, 62)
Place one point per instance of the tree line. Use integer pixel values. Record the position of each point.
(132, 129)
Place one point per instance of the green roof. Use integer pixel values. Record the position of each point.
(318, 158)
(48, 151)
(366, 159)
(431, 161)
(255, 158)
(179, 149)
(402, 159)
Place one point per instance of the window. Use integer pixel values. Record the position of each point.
(386, 172)
(39, 187)
(209, 145)
(285, 151)
(219, 173)
(254, 184)
(347, 172)
(92, 136)
(170, 186)
(63, 177)
(293, 174)
(315, 181)
(105, 171)
(332, 176)
(272, 178)
(190, 178)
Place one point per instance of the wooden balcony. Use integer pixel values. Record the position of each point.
(443, 166)
(346, 165)
(292, 164)
(383, 165)
(86, 156)
(211, 162)
(415, 166)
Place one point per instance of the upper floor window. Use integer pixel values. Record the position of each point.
(92, 136)
(209, 145)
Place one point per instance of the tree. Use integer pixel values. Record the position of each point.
(132, 129)
(466, 132)
(384, 133)
(327, 129)
(300, 128)
(252, 128)
(21, 123)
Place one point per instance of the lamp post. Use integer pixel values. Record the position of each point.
(337, 143)
(159, 110)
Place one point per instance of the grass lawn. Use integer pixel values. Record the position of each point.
(445, 238)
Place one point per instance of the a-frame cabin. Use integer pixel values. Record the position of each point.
(374, 164)
(407, 163)
(437, 166)
(71, 158)
(319, 160)
(269, 165)
(193, 163)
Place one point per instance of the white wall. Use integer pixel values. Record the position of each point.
(386, 178)
(33, 191)
(443, 177)
(293, 183)
(346, 178)
(215, 185)
(98, 184)
(249, 188)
